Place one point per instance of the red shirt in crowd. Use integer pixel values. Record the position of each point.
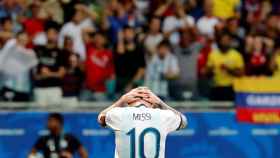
(33, 26)
(99, 68)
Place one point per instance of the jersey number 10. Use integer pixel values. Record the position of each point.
(131, 133)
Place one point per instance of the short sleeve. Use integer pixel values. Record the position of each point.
(114, 118)
(171, 121)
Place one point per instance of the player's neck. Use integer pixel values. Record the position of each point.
(140, 103)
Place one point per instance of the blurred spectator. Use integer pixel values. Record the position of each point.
(154, 36)
(13, 9)
(81, 20)
(272, 26)
(73, 78)
(203, 82)
(99, 70)
(129, 61)
(53, 9)
(57, 144)
(253, 12)
(135, 19)
(176, 21)
(225, 63)
(35, 23)
(16, 63)
(257, 54)
(206, 24)
(40, 38)
(225, 9)
(69, 8)
(134, 29)
(162, 69)
(187, 53)
(50, 71)
(143, 7)
(9, 8)
(7, 25)
(237, 33)
(194, 7)
(117, 19)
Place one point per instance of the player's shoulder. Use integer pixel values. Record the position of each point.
(114, 111)
(166, 113)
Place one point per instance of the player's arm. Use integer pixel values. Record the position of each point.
(158, 103)
(164, 106)
(102, 114)
(131, 97)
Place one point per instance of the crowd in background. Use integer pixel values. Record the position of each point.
(94, 50)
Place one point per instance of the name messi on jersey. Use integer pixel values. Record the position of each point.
(142, 116)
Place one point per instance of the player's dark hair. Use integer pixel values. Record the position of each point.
(57, 117)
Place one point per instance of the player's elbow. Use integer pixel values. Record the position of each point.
(184, 122)
(101, 120)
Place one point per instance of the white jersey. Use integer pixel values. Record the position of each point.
(140, 131)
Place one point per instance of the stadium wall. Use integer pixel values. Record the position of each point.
(210, 134)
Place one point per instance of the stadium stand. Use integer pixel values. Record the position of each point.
(82, 50)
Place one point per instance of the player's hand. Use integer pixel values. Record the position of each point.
(151, 98)
(134, 95)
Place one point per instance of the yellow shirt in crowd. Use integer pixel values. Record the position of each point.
(232, 60)
(225, 8)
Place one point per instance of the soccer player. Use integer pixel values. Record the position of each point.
(141, 122)
(58, 144)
